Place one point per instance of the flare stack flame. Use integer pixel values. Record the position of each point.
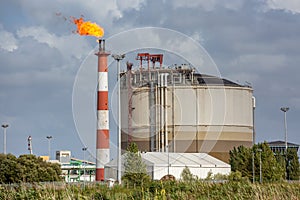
(88, 28)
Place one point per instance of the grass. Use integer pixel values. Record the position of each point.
(154, 190)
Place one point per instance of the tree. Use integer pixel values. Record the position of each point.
(186, 175)
(135, 169)
(292, 164)
(27, 168)
(241, 160)
(10, 169)
(271, 169)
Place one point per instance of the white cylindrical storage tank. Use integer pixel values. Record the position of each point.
(192, 112)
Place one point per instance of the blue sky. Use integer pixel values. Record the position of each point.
(250, 41)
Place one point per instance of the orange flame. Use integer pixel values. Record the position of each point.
(88, 28)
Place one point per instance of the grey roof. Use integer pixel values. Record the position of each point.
(280, 143)
(204, 79)
(160, 159)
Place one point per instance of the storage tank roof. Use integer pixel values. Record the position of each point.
(213, 80)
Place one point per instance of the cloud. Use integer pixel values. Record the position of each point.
(62, 43)
(55, 15)
(295, 102)
(292, 6)
(262, 62)
(130, 4)
(8, 41)
(208, 5)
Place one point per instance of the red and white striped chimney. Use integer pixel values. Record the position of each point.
(102, 145)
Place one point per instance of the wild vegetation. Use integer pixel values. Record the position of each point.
(137, 184)
(197, 189)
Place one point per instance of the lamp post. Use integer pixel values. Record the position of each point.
(285, 109)
(168, 159)
(260, 173)
(49, 137)
(4, 126)
(84, 150)
(253, 165)
(254, 135)
(118, 58)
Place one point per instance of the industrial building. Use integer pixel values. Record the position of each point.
(279, 146)
(173, 110)
(160, 164)
(177, 109)
(73, 169)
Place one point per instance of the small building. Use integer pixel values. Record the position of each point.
(63, 156)
(160, 164)
(78, 170)
(279, 146)
(45, 158)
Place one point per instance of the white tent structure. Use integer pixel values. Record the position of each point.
(160, 164)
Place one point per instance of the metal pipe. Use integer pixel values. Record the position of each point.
(173, 115)
(166, 111)
(197, 121)
(152, 115)
(129, 97)
(159, 112)
(162, 113)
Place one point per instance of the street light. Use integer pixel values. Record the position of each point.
(4, 126)
(118, 58)
(285, 109)
(167, 146)
(253, 166)
(260, 174)
(84, 150)
(49, 146)
(254, 135)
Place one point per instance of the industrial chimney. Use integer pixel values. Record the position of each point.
(102, 140)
